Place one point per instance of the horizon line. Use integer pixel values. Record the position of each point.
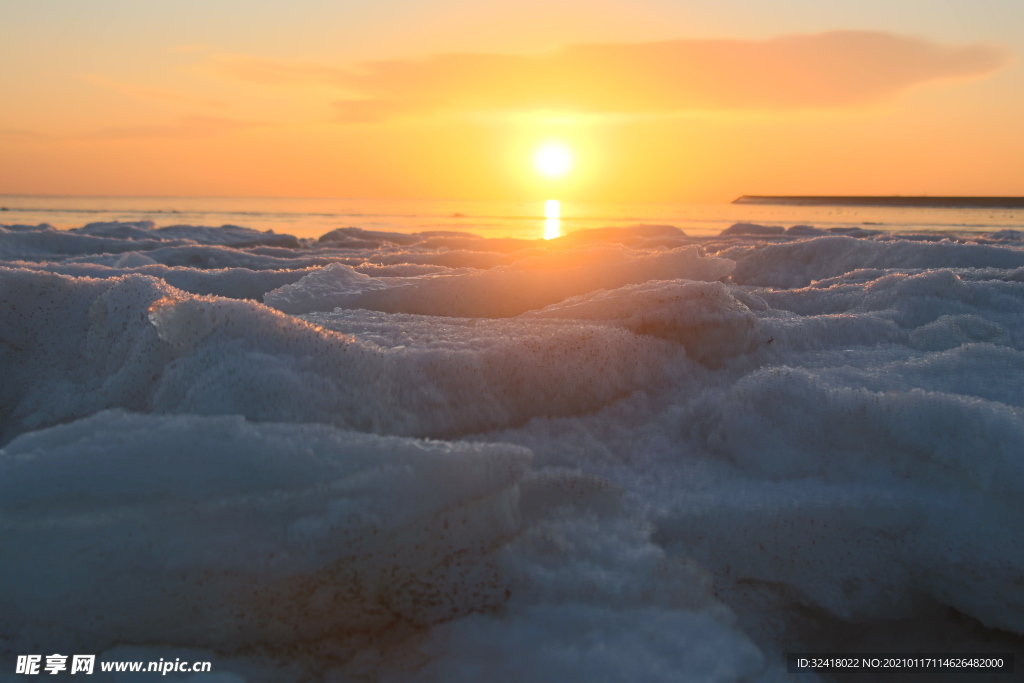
(934, 201)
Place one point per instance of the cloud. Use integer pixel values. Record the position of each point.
(835, 69)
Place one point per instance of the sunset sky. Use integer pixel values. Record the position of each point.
(657, 100)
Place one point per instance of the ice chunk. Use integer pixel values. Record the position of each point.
(125, 230)
(133, 259)
(27, 228)
(234, 283)
(804, 231)
(568, 643)
(229, 235)
(861, 232)
(797, 264)
(752, 229)
(44, 245)
(702, 316)
(359, 238)
(81, 345)
(318, 290)
(636, 235)
(500, 292)
(232, 235)
(1006, 236)
(215, 532)
(950, 331)
(868, 504)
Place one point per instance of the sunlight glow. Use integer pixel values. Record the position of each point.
(553, 159)
(552, 214)
(552, 228)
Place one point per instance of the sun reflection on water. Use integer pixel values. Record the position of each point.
(552, 219)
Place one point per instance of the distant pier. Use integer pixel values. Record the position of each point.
(917, 202)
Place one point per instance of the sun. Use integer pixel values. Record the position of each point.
(553, 159)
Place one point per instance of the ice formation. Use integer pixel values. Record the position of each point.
(218, 532)
(620, 455)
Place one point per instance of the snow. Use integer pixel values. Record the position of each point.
(217, 532)
(620, 455)
(502, 291)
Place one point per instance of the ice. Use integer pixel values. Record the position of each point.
(583, 642)
(43, 244)
(233, 283)
(79, 345)
(528, 284)
(215, 532)
(592, 599)
(702, 316)
(133, 259)
(648, 236)
(363, 239)
(1006, 236)
(623, 454)
(753, 229)
(229, 235)
(798, 264)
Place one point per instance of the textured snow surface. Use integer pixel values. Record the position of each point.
(622, 455)
(218, 532)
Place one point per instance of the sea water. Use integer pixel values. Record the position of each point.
(521, 219)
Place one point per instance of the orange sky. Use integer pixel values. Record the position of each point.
(417, 99)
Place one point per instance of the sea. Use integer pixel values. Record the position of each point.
(312, 217)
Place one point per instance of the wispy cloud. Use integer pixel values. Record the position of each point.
(835, 69)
